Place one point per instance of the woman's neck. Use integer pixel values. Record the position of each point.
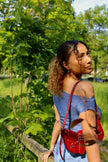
(74, 77)
(68, 83)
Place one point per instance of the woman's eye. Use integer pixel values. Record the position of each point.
(81, 55)
(88, 53)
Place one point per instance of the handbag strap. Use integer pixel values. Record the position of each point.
(69, 103)
(70, 98)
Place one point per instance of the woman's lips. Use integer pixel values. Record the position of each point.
(89, 67)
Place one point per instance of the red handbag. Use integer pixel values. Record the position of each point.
(99, 129)
(74, 141)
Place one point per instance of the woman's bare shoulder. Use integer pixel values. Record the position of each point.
(87, 89)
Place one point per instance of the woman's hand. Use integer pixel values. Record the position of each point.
(55, 134)
(46, 155)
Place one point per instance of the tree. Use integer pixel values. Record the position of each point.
(96, 21)
(32, 31)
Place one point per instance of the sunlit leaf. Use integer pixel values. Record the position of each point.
(33, 129)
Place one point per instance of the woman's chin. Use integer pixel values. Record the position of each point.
(88, 71)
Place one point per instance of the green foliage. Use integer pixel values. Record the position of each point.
(96, 21)
(12, 150)
(38, 118)
(30, 33)
(4, 103)
(33, 128)
(104, 152)
(33, 118)
(101, 94)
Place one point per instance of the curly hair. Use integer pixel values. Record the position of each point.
(57, 71)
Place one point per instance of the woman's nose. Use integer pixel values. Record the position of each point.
(88, 59)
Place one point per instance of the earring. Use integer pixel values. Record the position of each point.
(68, 71)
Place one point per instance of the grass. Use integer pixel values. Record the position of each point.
(101, 95)
(5, 88)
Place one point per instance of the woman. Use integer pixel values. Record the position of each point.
(66, 68)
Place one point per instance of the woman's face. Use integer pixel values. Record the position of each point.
(79, 63)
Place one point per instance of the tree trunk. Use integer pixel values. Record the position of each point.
(21, 94)
(95, 68)
(12, 93)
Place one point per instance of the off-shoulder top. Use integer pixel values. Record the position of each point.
(78, 105)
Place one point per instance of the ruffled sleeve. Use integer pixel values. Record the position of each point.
(90, 104)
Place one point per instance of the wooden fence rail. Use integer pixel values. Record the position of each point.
(38, 149)
(31, 144)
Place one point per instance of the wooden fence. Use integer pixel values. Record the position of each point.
(31, 144)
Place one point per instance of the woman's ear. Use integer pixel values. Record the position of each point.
(65, 65)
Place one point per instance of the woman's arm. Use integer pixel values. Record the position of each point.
(55, 133)
(89, 127)
(92, 147)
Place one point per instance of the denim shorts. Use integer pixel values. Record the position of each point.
(68, 157)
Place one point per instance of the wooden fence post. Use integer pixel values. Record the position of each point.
(31, 144)
(40, 159)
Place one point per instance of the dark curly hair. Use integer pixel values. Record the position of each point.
(57, 71)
